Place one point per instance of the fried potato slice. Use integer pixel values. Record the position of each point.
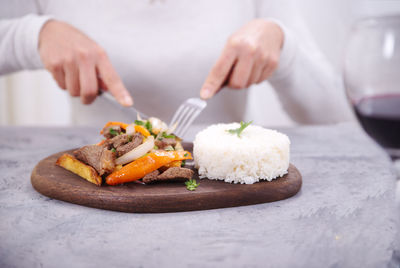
(79, 168)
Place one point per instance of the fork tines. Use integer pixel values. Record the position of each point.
(186, 114)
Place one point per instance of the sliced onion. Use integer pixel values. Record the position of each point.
(172, 128)
(130, 129)
(139, 151)
(157, 125)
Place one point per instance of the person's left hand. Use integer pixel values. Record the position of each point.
(249, 57)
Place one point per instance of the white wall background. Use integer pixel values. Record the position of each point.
(33, 98)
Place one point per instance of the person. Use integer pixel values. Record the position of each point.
(155, 54)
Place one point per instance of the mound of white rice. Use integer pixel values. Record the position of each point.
(259, 154)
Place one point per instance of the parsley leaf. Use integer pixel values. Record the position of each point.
(170, 136)
(191, 185)
(113, 150)
(183, 163)
(113, 132)
(139, 123)
(148, 126)
(169, 148)
(239, 130)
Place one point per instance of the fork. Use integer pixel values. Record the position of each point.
(187, 112)
(182, 119)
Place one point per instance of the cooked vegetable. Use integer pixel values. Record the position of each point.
(74, 165)
(169, 148)
(130, 130)
(174, 164)
(172, 128)
(168, 136)
(239, 130)
(113, 132)
(142, 130)
(149, 126)
(178, 146)
(144, 165)
(101, 142)
(137, 152)
(157, 125)
(139, 122)
(112, 123)
(191, 185)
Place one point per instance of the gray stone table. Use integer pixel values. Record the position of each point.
(344, 216)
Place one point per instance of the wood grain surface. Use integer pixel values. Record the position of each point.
(58, 183)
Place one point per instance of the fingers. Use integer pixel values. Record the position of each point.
(112, 82)
(241, 72)
(102, 85)
(59, 76)
(269, 68)
(72, 79)
(218, 74)
(88, 82)
(256, 72)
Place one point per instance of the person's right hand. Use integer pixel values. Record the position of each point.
(78, 64)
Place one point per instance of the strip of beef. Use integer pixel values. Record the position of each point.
(124, 143)
(111, 131)
(99, 157)
(152, 176)
(118, 141)
(171, 174)
(176, 173)
(165, 142)
(136, 140)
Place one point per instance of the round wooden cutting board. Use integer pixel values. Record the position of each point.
(58, 183)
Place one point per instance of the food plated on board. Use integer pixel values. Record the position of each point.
(241, 153)
(145, 151)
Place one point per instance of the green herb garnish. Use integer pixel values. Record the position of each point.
(113, 132)
(183, 163)
(139, 122)
(168, 136)
(169, 148)
(191, 185)
(148, 126)
(239, 130)
(185, 155)
(113, 150)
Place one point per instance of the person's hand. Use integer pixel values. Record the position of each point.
(249, 57)
(78, 64)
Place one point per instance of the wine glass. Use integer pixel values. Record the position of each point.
(372, 79)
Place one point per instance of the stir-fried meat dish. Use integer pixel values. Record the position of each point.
(145, 150)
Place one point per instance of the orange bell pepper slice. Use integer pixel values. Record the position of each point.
(142, 130)
(114, 123)
(144, 165)
(101, 142)
(174, 164)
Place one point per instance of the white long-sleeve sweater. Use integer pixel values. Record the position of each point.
(163, 51)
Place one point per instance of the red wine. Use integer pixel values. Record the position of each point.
(380, 117)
